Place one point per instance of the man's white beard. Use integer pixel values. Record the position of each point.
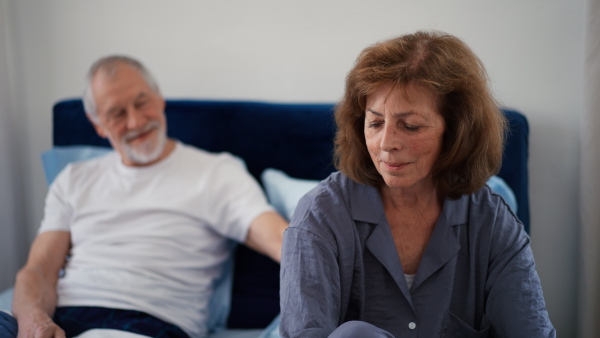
(150, 150)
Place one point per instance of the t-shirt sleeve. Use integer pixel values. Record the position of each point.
(236, 199)
(58, 211)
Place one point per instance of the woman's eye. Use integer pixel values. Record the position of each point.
(374, 124)
(411, 128)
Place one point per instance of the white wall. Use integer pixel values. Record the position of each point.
(300, 51)
(12, 225)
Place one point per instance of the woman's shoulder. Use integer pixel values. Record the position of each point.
(328, 213)
(329, 191)
(489, 214)
(336, 189)
(331, 199)
(486, 202)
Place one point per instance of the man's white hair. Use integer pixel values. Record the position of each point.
(108, 65)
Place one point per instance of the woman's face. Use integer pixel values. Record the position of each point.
(403, 132)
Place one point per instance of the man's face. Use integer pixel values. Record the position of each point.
(131, 115)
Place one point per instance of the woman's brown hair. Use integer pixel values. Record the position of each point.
(474, 126)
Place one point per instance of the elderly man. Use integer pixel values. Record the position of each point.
(146, 226)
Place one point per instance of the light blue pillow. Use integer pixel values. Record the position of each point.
(6, 299)
(284, 191)
(272, 331)
(57, 158)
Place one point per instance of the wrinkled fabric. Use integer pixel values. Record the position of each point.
(78, 321)
(477, 277)
(8, 325)
(357, 329)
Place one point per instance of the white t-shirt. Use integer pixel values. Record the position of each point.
(153, 238)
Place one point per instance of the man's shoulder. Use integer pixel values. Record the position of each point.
(197, 156)
(85, 171)
(98, 163)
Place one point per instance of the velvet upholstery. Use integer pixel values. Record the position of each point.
(295, 138)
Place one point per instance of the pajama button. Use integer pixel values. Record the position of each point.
(412, 325)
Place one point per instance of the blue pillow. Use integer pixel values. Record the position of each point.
(272, 331)
(57, 158)
(284, 191)
(6, 299)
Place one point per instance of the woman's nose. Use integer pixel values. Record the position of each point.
(390, 138)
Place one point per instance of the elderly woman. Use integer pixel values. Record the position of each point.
(406, 240)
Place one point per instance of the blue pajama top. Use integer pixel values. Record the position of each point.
(476, 278)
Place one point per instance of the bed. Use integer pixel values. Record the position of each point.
(293, 139)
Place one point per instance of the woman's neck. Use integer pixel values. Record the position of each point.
(413, 198)
(412, 215)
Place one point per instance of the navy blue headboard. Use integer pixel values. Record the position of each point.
(295, 138)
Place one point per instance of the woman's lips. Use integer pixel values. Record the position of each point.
(395, 166)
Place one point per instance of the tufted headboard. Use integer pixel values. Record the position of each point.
(295, 138)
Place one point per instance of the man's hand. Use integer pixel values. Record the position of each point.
(39, 325)
(35, 296)
(266, 234)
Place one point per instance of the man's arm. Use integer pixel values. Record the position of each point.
(266, 234)
(35, 296)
